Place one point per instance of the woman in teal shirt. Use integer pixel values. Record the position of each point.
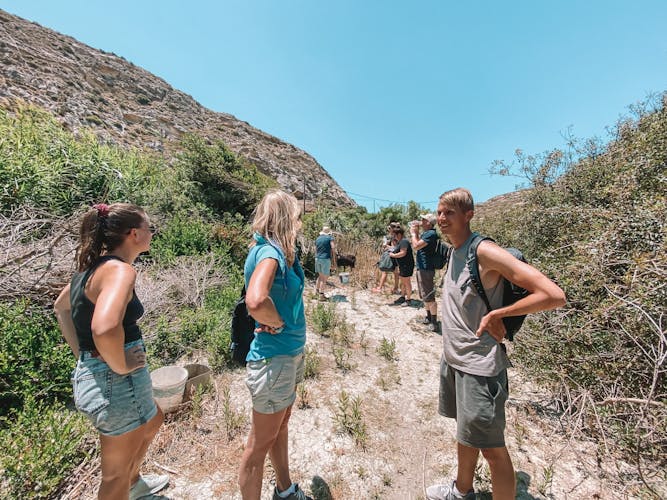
(274, 283)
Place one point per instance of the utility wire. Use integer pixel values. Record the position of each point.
(389, 201)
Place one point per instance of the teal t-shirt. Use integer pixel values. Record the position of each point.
(425, 255)
(287, 295)
(323, 246)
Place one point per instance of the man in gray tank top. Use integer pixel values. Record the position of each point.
(473, 368)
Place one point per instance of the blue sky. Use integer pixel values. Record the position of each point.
(397, 100)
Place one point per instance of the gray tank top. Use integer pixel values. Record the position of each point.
(462, 310)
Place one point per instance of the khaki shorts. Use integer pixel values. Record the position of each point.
(272, 382)
(478, 405)
(426, 284)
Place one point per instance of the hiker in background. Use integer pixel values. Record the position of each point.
(274, 282)
(388, 243)
(473, 368)
(424, 245)
(97, 314)
(406, 266)
(325, 260)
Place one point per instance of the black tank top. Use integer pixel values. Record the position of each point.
(83, 309)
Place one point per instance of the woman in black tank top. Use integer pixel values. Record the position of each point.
(97, 314)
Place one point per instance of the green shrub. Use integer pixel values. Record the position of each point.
(311, 363)
(180, 236)
(323, 317)
(595, 221)
(40, 448)
(204, 328)
(34, 359)
(225, 182)
(44, 165)
(387, 349)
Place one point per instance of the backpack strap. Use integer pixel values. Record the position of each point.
(473, 267)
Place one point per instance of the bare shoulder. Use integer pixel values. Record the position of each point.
(490, 250)
(490, 255)
(115, 272)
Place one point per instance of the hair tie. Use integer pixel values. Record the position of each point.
(102, 210)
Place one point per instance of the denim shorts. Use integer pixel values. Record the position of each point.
(272, 382)
(115, 404)
(478, 405)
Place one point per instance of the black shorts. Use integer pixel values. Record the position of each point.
(405, 271)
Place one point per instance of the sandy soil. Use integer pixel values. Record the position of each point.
(408, 445)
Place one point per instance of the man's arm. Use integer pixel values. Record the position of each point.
(544, 293)
(416, 242)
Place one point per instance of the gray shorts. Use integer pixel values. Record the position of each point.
(478, 405)
(272, 382)
(425, 282)
(323, 266)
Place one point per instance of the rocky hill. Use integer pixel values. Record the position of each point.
(127, 105)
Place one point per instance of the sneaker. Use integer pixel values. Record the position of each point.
(399, 301)
(434, 327)
(406, 303)
(147, 485)
(297, 495)
(425, 321)
(447, 492)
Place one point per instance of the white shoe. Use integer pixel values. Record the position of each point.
(147, 485)
(447, 492)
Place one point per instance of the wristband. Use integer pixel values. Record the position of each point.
(279, 329)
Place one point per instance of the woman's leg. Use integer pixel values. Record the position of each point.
(117, 460)
(263, 434)
(406, 285)
(396, 280)
(383, 278)
(150, 430)
(279, 455)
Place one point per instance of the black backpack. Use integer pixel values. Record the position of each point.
(441, 254)
(243, 330)
(511, 292)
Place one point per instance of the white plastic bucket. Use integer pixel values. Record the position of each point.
(344, 277)
(169, 386)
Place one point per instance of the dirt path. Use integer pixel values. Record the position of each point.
(407, 444)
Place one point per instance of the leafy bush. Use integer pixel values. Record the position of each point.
(595, 220)
(323, 317)
(204, 328)
(34, 360)
(40, 448)
(43, 165)
(225, 182)
(180, 236)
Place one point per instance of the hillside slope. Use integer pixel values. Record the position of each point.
(128, 105)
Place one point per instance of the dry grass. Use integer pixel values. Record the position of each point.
(36, 254)
(367, 251)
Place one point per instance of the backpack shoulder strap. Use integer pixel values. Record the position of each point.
(473, 267)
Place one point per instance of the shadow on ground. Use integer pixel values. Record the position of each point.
(320, 489)
(338, 298)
